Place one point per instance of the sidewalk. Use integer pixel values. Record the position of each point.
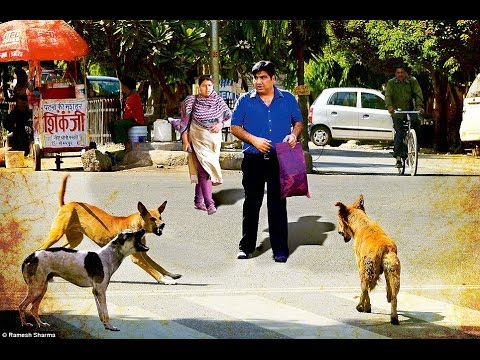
(162, 154)
(169, 155)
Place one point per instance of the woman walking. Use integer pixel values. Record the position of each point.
(203, 117)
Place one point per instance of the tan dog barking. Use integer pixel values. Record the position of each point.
(76, 219)
(375, 253)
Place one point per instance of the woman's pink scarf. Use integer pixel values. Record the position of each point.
(207, 111)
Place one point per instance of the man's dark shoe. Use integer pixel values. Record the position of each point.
(243, 255)
(399, 164)
(280, 258)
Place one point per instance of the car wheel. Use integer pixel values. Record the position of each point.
(320, 135)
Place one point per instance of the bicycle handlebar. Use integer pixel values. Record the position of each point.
(407, 112)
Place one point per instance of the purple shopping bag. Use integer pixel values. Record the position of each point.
(293, 170)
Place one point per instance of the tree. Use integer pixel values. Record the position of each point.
(443, 52)
(167, 51)
(294, 41)
(302, 39)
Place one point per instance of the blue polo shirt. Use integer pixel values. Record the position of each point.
(273, 122)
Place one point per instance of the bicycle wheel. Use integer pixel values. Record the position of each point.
(412, 155)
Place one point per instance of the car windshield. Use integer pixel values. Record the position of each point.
(344, 98)
(99, 86)
(372, 101)
(474, 89)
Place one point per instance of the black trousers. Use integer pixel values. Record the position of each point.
(119, 130)
(256, 172)
(400, 132)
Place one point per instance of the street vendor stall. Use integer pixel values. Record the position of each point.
(59, 104)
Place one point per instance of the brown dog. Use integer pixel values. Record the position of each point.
(375, 253)
(76, 219)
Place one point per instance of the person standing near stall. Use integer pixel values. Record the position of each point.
(18, 125)
(21, 85)
(18, 121)
(132, 114)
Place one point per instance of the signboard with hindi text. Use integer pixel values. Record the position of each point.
(63, 123)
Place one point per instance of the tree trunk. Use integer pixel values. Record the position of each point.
(303, 104)
(172, 98)
(455, 120)
(439, 84)
(156, 100)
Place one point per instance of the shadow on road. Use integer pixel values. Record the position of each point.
(306, 231)
(140, 328)
(228, 196)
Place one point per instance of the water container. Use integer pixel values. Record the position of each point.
(162, 130)
(137, 134)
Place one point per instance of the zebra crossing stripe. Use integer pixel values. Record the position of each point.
(429, 310)
(284, 319)
(133, 322)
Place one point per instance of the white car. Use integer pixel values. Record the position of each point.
(470, 125)
(349, 113)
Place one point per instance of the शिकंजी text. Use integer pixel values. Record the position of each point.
(64, 123)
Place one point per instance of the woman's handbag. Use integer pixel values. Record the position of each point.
(293, 170)
(179, 124)
(191, 112)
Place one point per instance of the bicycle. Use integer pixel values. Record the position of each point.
(410, 144)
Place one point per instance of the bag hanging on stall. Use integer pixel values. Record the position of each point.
(293, 170)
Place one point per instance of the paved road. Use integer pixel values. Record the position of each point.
(433, 218)
(350, 159)
(347, 159)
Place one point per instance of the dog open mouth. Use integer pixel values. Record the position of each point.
(139, 241)
(159, 229)
(141, 247)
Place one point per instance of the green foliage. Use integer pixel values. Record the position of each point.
(95, 69)
(322, 74)
(239, 47)
(444, 46)
(175, 47)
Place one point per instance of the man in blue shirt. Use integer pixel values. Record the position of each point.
(261, 118)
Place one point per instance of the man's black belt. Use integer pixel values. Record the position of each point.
(264, 156)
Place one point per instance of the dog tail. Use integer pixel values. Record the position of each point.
(391, 267)
(61, 192)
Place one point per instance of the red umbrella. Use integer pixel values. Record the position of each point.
(40, 40)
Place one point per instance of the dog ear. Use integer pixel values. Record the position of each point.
(342, 208)
(142, 209)
(161, 208)
(359, 203)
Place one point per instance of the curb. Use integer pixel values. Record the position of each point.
(171, 154)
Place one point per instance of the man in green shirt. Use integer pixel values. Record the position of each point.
(402, 92)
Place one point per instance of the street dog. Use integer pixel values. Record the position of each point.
(82, 268)
(375, 253)
(76, 219)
